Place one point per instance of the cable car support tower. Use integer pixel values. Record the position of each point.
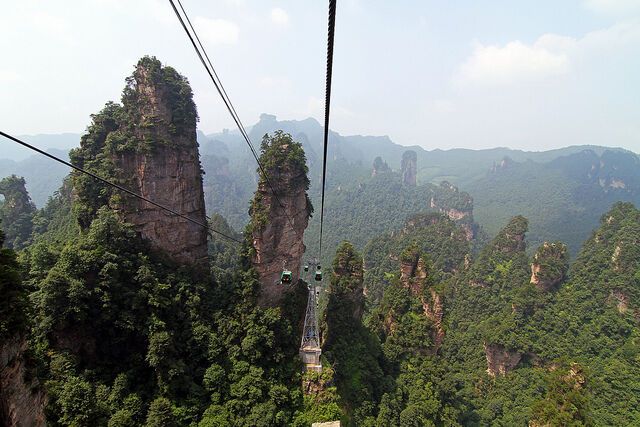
(310, 349)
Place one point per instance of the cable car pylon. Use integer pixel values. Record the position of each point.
(310, 344)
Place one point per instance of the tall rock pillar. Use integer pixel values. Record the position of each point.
(148, 145)
(278, 221)
(409, 167)
(166, 164)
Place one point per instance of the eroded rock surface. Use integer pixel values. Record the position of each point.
(22, 402)
(500, 360)
(148, 145)
(168, 173)
(278, 222)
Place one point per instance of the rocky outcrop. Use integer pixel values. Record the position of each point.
(379, 167)
(149, 145)
(550, 265)
(168, 170)
(434, 310)
(409, 167)
(278, 221)
(22, 401)
(500, 360)
(456, 205)
(414, 275)
(16, 213)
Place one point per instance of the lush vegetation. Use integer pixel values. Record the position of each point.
(16, 212)
(424, 328)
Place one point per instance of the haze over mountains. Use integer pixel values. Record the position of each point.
(563, 192)
(433, 304)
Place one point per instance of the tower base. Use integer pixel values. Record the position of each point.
(311, 358)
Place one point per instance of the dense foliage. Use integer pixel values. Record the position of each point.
(349, 348)
(16, 212)
(14, 304)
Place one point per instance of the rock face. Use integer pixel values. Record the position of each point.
(409, 167)
(169, 173)
(500, 361)
(278, 223)
(16, 213)
(434, 310)
(550, 265)
(455, 204)
(21, 403)
(149, 146)
(414, 276)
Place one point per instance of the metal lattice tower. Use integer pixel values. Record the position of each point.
(310, 346)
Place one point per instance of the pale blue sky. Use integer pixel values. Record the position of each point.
(441, 74)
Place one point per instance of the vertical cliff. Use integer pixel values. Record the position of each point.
(22, 401)
(16, 212)
(149, 144)
(409, 167)
(278, 220)
(414, 275)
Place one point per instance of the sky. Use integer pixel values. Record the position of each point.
(531, 75)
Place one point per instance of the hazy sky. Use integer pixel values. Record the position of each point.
(531, 74)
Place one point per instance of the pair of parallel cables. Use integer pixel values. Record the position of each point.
(206, 62)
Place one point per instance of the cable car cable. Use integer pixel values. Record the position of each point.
(226, 100)
(327, 106)
(119, 187)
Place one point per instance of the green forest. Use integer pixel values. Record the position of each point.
(425, 319)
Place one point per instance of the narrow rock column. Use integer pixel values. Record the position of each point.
(278, 220)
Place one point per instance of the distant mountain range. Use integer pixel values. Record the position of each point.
(563, 192)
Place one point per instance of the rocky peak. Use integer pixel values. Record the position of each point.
(455, 204)
(16, 211)
(278, 222)
(550, 265)
(414, 275)
(413, 271)
(379, 167)
(150, 145)
(409, 167)
(512, 238)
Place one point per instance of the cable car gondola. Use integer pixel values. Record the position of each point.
(286, 277)
(318, 275)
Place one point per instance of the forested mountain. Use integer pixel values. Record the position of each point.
(115, 312)
(563, 192)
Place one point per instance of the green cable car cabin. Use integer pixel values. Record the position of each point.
(286, 277)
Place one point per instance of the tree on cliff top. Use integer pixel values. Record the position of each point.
(281, 154)
(16, 212)
(139, 125)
